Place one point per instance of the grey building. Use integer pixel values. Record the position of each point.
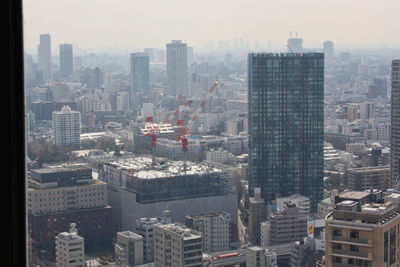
(286, 117)
(44, 56)
(395, 123)
(215, 228)
(177, 245)
(287, 226)
(177, 68)
(66, 60)
(295, 45)
(328, 51)
(129, 248)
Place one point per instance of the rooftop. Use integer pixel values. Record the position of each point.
(142, 168)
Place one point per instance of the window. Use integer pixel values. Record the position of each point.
(354, 233)
(337, 232)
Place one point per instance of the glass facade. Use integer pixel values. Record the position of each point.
(286, 93)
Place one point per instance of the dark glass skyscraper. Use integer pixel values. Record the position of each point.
(395, 123)
(66, 60)
(286, 118)
(140, 73)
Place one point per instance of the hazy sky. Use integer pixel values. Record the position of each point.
(133, 24)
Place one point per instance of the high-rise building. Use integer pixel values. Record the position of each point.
(214, 228)
(363, 229)
(70, 250)
(177, 245)
(129, 248)
(366, 110)
(286, 117)
(140, 74)
(328, 51)
(295, 45)
(66, 60)
(44, 57)
(67, 126)
(177, 68)
(395, 123)
(378, 88)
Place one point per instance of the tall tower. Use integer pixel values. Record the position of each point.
(328, 51)
(395, 123)
(66, 60)
(44, 56)
(67, 126)
(177, 68)
(286, 116)
(140, 74)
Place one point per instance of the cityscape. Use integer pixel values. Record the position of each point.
(229, 153)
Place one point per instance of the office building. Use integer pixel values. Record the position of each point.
(287, 225)
(66, 60)
(67, 127)
(328, 51)
(145, 228)
(140, 74)
(257, 214)
(366, 110)
(362, 230)
(377, 177)
(395, 123)
(177, 68)
(70, 250)
(44, 57)
(378, 88)
(129, 248)
(215, 229)
(177, 245)
(64, 194)
(286, 117)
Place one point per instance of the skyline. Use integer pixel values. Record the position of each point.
(196, 23)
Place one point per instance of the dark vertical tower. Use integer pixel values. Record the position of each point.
(66, 60)
(286, 93)
(140, 74)
(44, 56)
(177, 68)
(395, 123)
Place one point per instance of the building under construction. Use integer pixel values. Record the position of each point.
(140, 187)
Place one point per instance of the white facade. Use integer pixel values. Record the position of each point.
(70, 251)
(301, 202)
(55, 199)
(67, 126)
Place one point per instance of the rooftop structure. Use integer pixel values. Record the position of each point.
(361, 230)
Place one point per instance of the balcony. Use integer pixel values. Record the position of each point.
(351, 254)
(351, 241)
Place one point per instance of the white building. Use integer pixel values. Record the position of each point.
(177, 245)
(67, 126)
(301, 202)
(215, 228)
(129, 248)
(145, 228)
(70, 251)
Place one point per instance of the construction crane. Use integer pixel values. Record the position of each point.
(184, 130)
